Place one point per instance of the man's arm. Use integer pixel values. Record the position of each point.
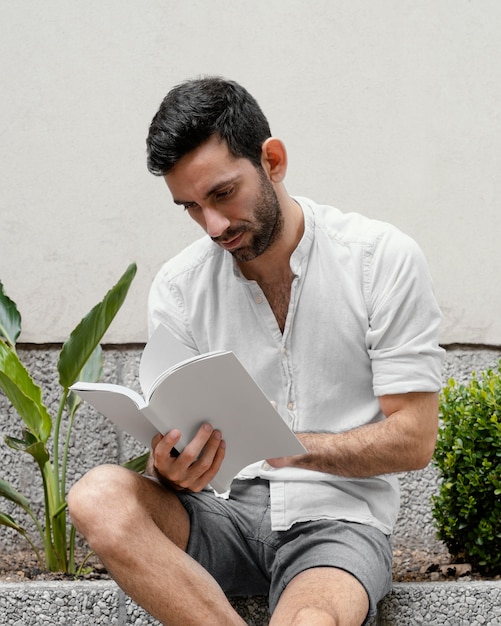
(404, 441)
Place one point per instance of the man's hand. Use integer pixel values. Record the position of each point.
(195, 466)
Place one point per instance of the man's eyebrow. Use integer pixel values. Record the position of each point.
(212, 190)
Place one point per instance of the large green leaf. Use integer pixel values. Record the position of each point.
(10, 319)
(93, 368)
(7, 491)
(91, 373)
(24, 394)
(89, 332)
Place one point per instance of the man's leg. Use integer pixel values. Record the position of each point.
(140, 530)
(323, 596)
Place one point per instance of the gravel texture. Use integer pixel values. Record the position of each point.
(428, 588)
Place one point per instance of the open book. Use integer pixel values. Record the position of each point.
(183, 391)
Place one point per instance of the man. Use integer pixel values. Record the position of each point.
(335, 318)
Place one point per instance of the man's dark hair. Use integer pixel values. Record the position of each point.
(194, 111)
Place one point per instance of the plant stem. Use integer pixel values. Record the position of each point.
(57, 428)
(65, 458)
(87, 557)
(60, 539)
(48, 485)
(71, 560)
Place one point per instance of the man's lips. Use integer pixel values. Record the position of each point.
(231, 244)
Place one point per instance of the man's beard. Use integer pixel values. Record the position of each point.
(267, 226)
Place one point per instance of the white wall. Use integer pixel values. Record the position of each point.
(388, 107)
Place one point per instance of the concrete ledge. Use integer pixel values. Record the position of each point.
(84, 603)
(447, 603)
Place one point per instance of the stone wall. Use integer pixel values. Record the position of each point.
(95, 440)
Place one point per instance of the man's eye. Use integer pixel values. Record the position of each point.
(190, 206)
(220, 195)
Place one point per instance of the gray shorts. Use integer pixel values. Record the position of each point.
(232, 539)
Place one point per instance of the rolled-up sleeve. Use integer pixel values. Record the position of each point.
(404, 317)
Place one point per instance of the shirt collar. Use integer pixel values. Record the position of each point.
(299, 257)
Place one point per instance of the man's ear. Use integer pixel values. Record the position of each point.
(274, 159)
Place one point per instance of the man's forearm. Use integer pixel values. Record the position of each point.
(403, 441)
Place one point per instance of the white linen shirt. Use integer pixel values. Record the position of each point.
(362, 322)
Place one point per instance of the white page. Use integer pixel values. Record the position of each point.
(162, 352)
(220, 391)
(121, 405)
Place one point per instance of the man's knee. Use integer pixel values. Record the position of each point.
(98, 498)
(308, 615)
(110, 502)
(326, 596)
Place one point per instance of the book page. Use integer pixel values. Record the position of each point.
(219, 390)
(121, 405)
(162, 352)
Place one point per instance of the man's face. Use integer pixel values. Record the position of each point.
(232, 200)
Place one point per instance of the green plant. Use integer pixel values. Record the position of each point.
(80, 359)
(467, 509)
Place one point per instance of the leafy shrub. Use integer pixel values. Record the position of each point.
(80, 359)
(467, 509)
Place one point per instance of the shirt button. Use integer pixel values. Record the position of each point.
(290, 406)
(259, 299)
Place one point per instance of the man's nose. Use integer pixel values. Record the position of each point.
(215, 222)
